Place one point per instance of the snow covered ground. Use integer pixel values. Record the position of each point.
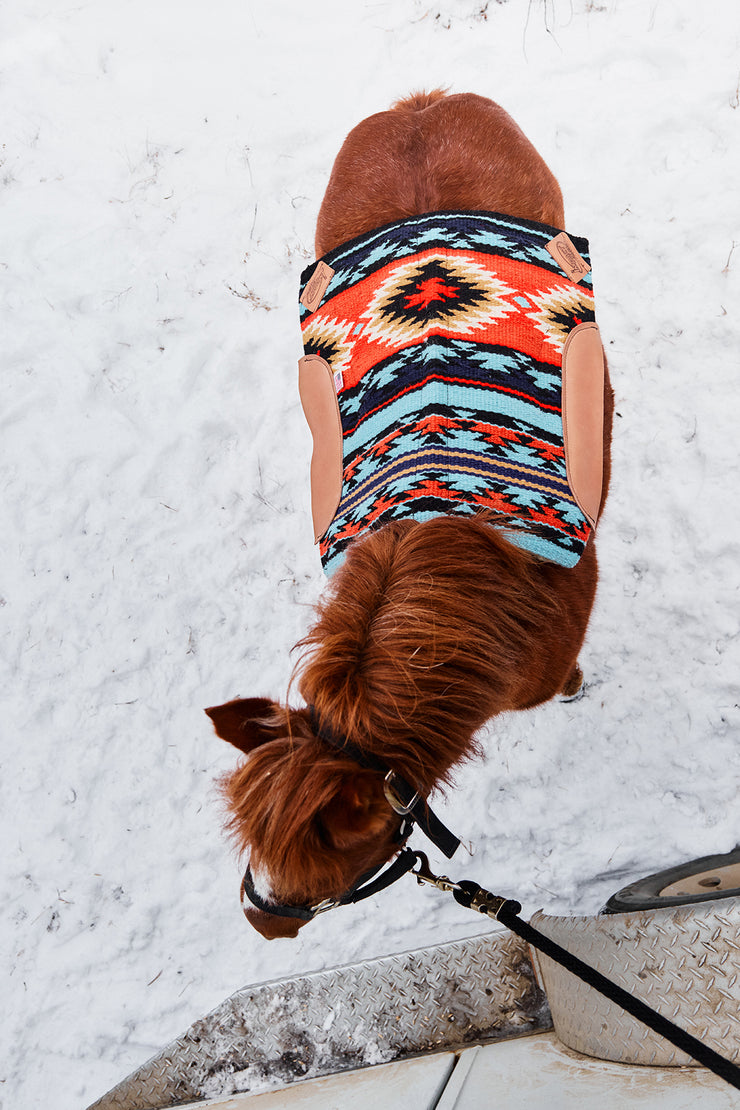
(162, 167)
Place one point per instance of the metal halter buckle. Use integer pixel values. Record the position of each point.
(394, 801)
(322, 907)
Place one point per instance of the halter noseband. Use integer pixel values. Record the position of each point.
(367, 885)
(403, 799)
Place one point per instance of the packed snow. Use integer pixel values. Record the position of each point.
(162, 168)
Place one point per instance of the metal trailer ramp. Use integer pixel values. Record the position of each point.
(536, 1072)
(432, 1000)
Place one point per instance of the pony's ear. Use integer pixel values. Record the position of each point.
(240, 722)
(359, 811)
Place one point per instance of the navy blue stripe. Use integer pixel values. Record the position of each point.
(539, 382)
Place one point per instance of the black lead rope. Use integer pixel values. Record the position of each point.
(506, 910)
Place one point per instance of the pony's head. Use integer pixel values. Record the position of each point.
(311, 820)
(427, 630)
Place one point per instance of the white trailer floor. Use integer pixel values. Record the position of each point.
(536, 1072)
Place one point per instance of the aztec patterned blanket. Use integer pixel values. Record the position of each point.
(444, 336)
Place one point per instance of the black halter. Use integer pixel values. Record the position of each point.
(363, 888)
(403, 800)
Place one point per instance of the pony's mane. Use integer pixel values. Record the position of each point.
(427, 630)
(422, 636)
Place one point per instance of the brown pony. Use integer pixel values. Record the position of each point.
(429, 628)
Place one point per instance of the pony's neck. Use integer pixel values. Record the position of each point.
(428, 630)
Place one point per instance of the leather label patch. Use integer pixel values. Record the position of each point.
(567, 257)
(317, 286)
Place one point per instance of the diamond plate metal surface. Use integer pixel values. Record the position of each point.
(684, 962)
(478, 989)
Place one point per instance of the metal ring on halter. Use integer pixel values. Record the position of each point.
(394, 801)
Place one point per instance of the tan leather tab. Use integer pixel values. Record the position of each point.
(316, 286)
(321, 409)
(583, 417)
(567, 257)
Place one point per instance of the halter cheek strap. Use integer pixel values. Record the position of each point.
(402, 797)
